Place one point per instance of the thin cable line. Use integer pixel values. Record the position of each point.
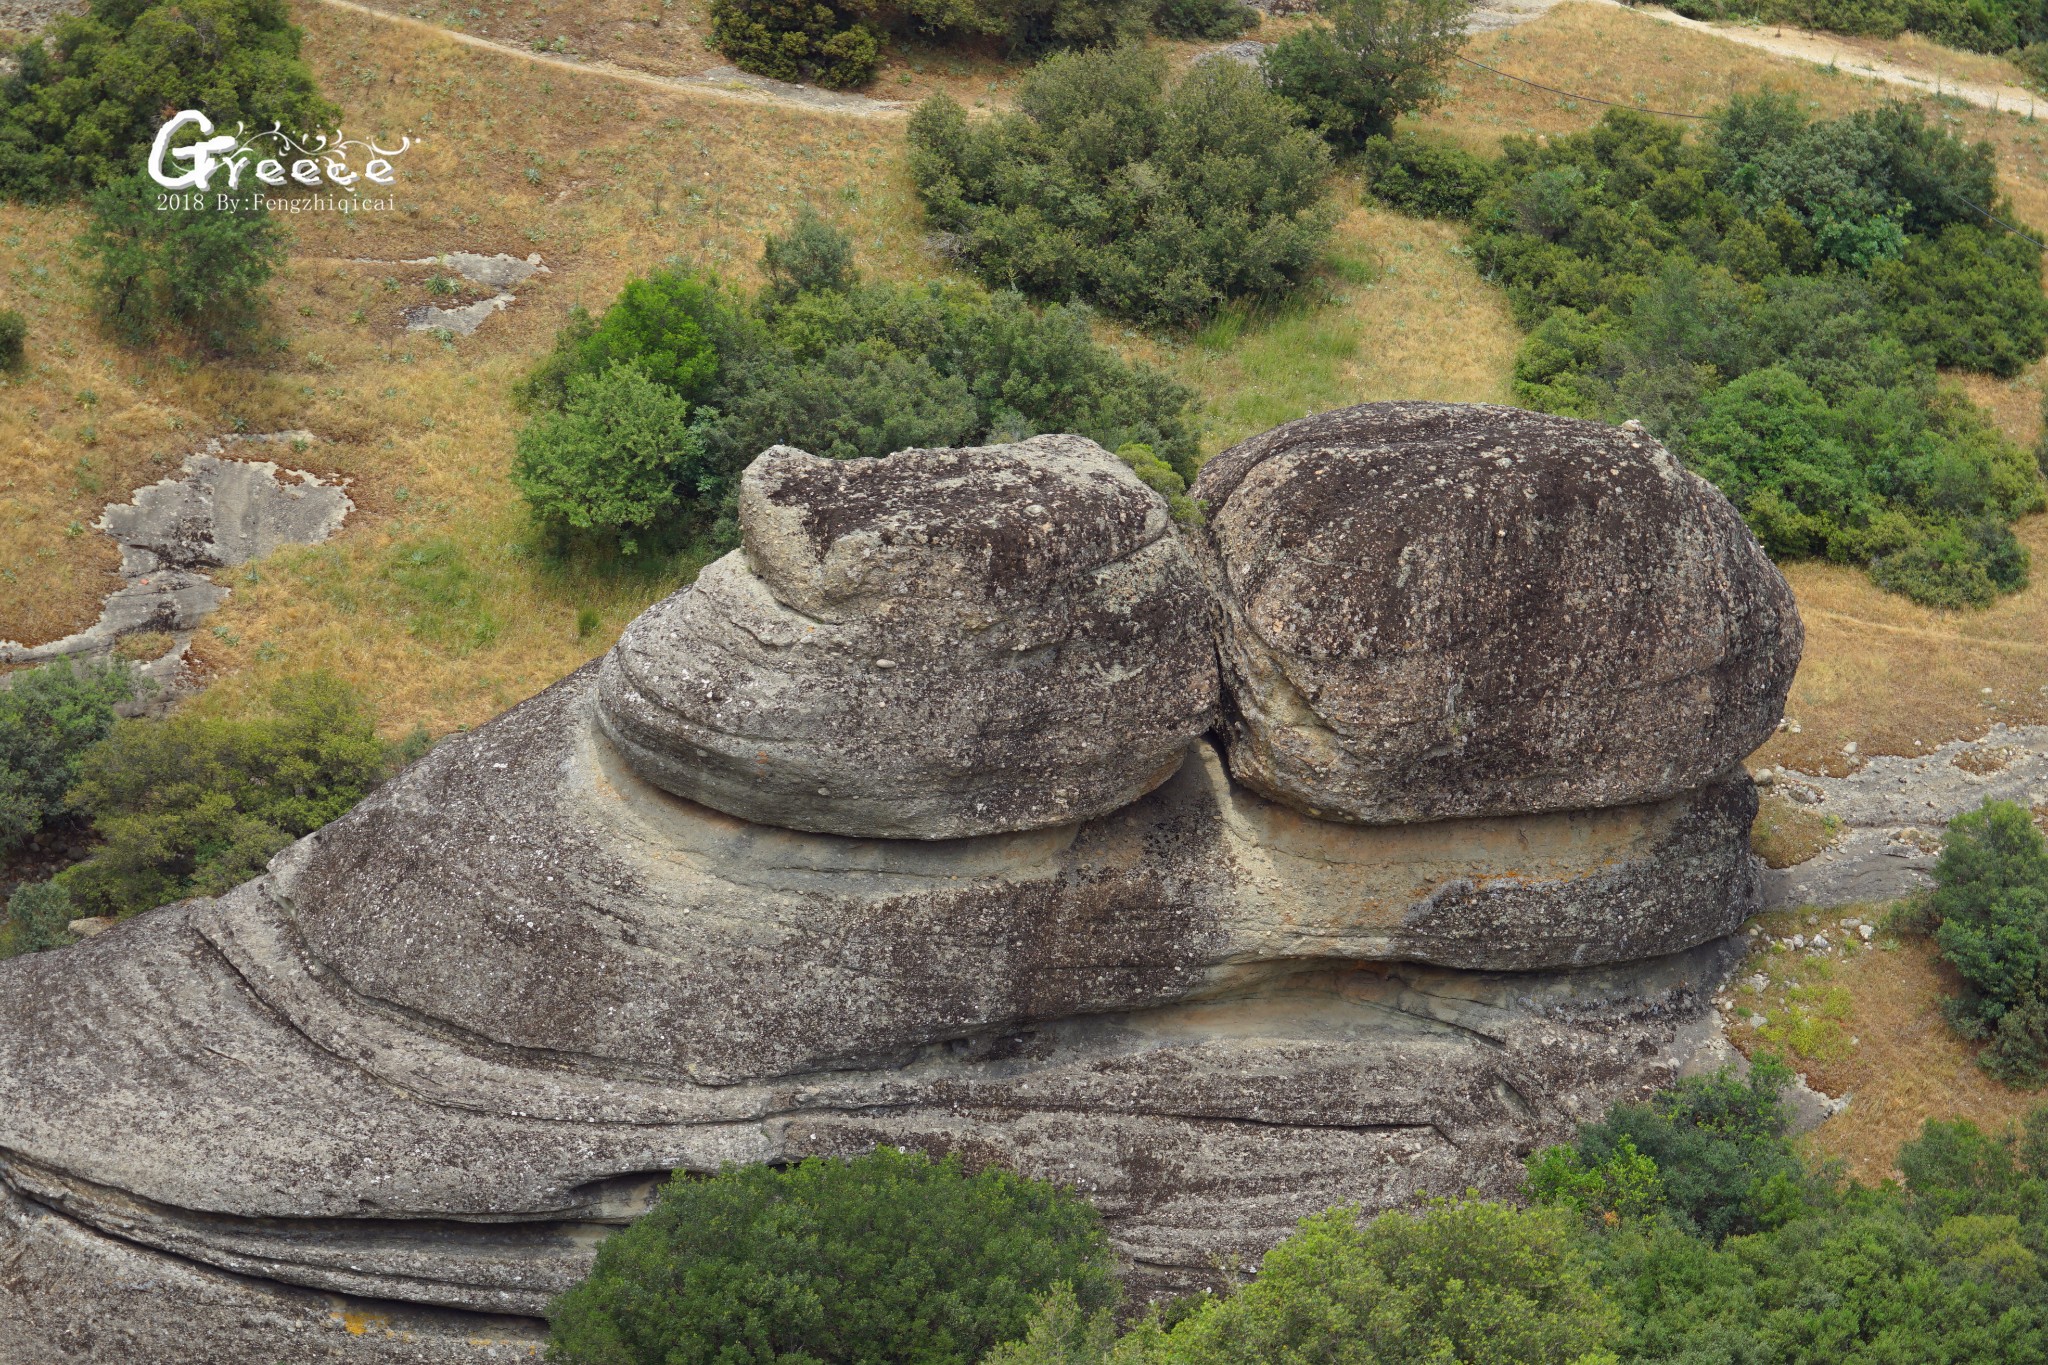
(1614, 104)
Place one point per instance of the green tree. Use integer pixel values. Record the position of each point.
(86, 100)
(49, 718)
(1367, 63)
(1106, 187)
(619, 459)
(196, 273)
(38, 917)
(1991, 908)
(13, 332)
(886, 1259)
(195, 804)
(813, 255)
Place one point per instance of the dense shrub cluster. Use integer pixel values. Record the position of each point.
(1109, 187)
(888, 1259)
(1990, 915)
(645, 417)
(195, 804)
(13, 339)
(796, 40)
(1977, 25)
(1771, 299)
(49, 718)
(85, 99)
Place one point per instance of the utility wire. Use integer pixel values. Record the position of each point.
(1670, 113)
(1551, 89)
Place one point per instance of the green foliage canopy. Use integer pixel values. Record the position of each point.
(86, 99)
(49, 718)
(1107, 187)
(1991, 908)
(1367, 63)
(886, 1259)
(197, 273)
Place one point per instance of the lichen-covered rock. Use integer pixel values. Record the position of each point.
(938, 644)
(1435, 610)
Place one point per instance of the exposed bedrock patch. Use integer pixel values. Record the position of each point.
(1439, 610)
(446, 1043)
(216, 512)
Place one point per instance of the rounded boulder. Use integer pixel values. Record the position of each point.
(935, 645)
(1432, 611)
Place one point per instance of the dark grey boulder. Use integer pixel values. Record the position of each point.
(938, 644)
(1432, 611)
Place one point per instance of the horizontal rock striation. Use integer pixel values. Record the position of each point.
(383, 1102)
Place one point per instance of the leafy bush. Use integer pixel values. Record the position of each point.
(86, 100)
(38, 918)
(615, 461)
(878, 1260)
(1428, 179)
(197, 273)
(194, 805)
(1369, 63)
(49, 718)
(1711, 1152)
(13, 332)
(821, 361)
(1212, 19)
(1975, 25)
(1106, 187)
(1465, 1280)
(796, 40)
(1163, 479)
(1991, 908)
(1771, 300)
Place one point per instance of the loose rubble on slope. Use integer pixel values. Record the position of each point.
(382, 1102)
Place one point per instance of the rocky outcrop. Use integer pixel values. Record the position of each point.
(402, 1085)
(939, 644)
(1437, 610)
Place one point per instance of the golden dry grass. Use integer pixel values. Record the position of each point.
(1786, 833)
(1905, 1064)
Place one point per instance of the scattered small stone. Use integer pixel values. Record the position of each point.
(1865, 931)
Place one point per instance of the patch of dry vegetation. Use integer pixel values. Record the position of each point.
(1786, 833)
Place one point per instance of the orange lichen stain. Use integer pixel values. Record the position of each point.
(360, 1323)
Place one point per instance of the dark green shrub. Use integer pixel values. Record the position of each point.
(89, 96)
(194, 273)
(13, 333)
(1428, 179)
(887, 1259)
(619, 458)
(1161, 477)
(1969, 297)
(1991, 908)
(1212, 19)
(1106, 187)
(38, 918)
(1367, 63)
(2032, 60)
(49, 718)
(796, 40)
(812, 256)
(194, 805)
(1717, 1157)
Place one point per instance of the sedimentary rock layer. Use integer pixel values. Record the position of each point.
(939, 644)
(1438, 610)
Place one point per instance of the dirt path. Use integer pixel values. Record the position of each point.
(1826, 49)
(727, 81)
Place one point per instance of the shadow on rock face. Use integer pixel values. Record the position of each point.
(452, 1038)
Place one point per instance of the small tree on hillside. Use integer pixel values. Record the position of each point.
(196, 273)
(1992, 904)
(1370, 62)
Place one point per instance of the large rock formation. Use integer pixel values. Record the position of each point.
(381, 1103)
(1433, 610)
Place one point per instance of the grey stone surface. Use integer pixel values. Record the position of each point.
(383, 1102)
(216, 512)
(938, 644)
(1892, 810)
(1438, 610)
